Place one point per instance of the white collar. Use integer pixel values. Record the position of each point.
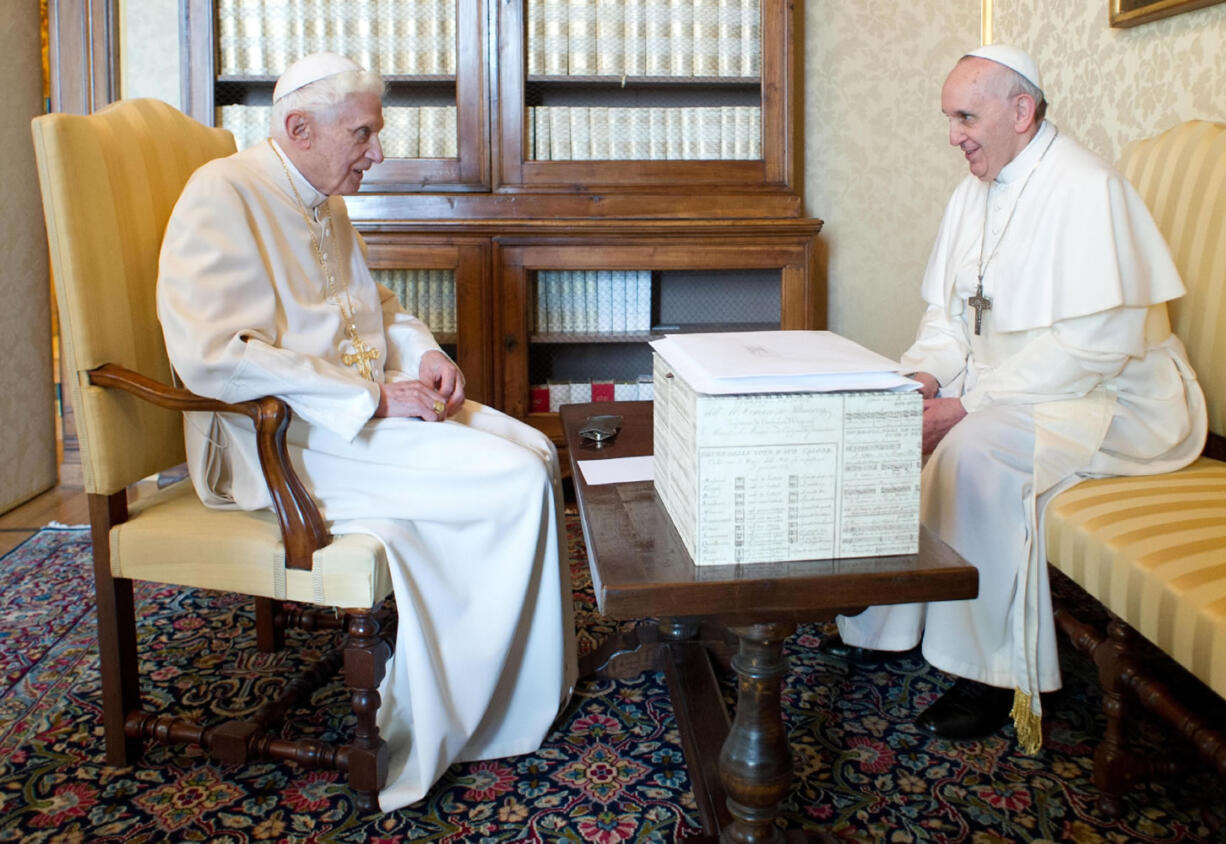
(1025, 160)
(312, 197)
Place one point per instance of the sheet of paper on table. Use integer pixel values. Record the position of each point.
(617, 470)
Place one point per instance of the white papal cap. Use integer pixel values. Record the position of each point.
(1014, 58)
(310, 69)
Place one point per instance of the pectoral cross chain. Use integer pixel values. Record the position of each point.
(980, 303)
(362, 354)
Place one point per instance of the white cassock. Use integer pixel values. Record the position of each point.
(1076, 374)
(468, 509)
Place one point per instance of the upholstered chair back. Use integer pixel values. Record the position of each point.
(1181, 174)
(109, 181)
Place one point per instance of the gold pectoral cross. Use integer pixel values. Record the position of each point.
(980, 303)
(362, 354)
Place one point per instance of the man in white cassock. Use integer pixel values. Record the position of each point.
(264, 290)
(1045, 357)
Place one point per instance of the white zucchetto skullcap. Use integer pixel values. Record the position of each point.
(1014, 58)
(310, 69)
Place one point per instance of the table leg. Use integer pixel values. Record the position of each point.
(755, 764)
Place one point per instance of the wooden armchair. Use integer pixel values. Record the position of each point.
(109, 182)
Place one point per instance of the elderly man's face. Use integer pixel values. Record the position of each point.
(984, 121)
(345, 144)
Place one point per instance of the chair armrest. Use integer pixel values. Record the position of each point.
(302, 526)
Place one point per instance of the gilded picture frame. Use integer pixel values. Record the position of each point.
(1133, 12)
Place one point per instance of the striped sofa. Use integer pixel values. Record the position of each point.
(1152, 550)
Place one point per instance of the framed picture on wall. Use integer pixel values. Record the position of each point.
(1133, 12)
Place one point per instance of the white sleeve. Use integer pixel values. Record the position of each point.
(939, 348)
(219, 314)
(1066, 361)
(408, 338)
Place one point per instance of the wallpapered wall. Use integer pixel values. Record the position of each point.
(878, 167)
(1111, 86)
(27, 402)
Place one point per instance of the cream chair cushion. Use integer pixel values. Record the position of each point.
(1152, 550)
(170, 537)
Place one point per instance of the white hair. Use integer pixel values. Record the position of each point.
(322, 95)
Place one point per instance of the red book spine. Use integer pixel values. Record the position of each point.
(602, 391)
(539, 396)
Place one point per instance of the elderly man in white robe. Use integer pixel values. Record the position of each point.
(1045, 357)
(263, 290)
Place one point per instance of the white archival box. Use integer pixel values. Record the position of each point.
(773, 446)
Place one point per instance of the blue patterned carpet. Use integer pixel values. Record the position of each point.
(613, 772)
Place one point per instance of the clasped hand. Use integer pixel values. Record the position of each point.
(437, 393)
(940, 414)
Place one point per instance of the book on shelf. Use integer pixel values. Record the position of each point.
(580, 133)
(634, 37)
(642, 301)
(401, 131)
(591, 300)
(538, 398)
(657, 40)
(625, 390)
(751, 38)
(567, 300)
(556, 49)
(706, 37)
(437, 132)
(610, 38)
(681, 37)
(618, 285)
(581, 37)
(559, 133)
(534, 31)
(550, 281)
(602, 391)
(599, 134)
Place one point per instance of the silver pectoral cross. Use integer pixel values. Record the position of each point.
(980, 303)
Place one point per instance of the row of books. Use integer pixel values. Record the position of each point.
(410, 37)
(644, 38)
(601, 133)
(408, 131)
(548, 397)
(593, 301)
(427, 294)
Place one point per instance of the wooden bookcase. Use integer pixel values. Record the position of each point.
(504, 208)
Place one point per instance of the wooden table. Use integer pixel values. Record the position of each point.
(641, 570)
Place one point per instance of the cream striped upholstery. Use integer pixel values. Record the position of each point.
(1153, 549)
(1181, 174)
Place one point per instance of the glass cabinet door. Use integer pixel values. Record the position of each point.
(643, 91)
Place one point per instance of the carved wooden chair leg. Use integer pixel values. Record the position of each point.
(366, 655)
(269, 629)
(1115, 767)
(116, 634)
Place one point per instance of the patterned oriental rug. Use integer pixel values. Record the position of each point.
(613, 772)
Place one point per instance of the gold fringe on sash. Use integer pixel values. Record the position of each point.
(1028, 725)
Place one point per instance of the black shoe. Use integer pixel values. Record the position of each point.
(837, 650)
(967, 710)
